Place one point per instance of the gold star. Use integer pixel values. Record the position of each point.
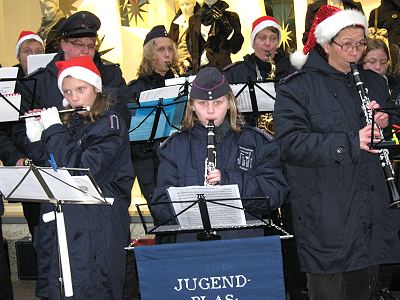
(285, 35)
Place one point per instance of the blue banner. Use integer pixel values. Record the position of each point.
(241, 269)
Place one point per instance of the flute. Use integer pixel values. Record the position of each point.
(64, 111)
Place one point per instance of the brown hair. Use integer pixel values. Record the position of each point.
(373, 44)
(101, 104)
(235, 118)
(146, 67)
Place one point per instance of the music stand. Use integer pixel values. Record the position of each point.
(383, 143)
(9, 102)
(55, 186)
(205, 202)
(254, 97)
(161, 116)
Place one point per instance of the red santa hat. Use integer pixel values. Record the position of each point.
(81, 67)
(328, 21)
(27, 35)
(264, 22)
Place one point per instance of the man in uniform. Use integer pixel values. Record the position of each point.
(78, 38)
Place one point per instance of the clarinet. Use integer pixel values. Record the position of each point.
(383, 153)
(211, 159)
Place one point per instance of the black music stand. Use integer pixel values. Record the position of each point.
(18, 109)
(49, 184)
(384, 143)
(207, 229)
(254, 98)
(157, 119)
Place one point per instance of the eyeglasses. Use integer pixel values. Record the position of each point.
(82, 46)
(347, 47)
(28, 51)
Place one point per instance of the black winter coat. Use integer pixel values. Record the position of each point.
(143, 156)
(219, 48)
(246, 70)
(389, 18)
(339, 197)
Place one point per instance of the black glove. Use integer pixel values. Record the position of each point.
(222, 20)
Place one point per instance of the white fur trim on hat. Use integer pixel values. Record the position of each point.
(81, 73)
(329, 28)
(298, 59)
(25, 38)
(265, 24)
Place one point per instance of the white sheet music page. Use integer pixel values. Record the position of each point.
(163, 92)
(264, 102)
(8, 87)
(63, 186)
(37, 61)
(7, 112)
(220, 214)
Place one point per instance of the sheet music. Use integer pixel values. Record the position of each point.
(7, 112)
(143, 117)
(180, 80)
(163, 92)
(8, 87)
(37, 61)
(220, 215)
(63, 186)
(264, 102)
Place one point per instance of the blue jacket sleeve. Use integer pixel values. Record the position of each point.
(100, 149)
(265, 178)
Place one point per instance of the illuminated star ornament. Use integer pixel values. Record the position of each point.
(133, 8)
(285, 35)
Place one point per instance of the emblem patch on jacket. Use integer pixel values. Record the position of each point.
(245, 158)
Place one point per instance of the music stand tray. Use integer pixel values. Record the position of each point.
(204, 212)
(55, 186)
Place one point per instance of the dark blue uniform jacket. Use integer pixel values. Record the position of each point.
(96, 234)
(182, 160)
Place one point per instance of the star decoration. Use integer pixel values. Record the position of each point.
(69, 7)
(133, 8)
(285, 35)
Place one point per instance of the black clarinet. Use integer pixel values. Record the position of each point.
(211, 159)
(383, 153)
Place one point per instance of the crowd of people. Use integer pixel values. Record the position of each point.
(318, 167)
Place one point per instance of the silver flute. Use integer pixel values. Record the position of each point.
(61, 112)
(383, 153)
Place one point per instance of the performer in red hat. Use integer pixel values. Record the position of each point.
(28, 43)
(96, 140)
(267, 62)
(344, 227)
